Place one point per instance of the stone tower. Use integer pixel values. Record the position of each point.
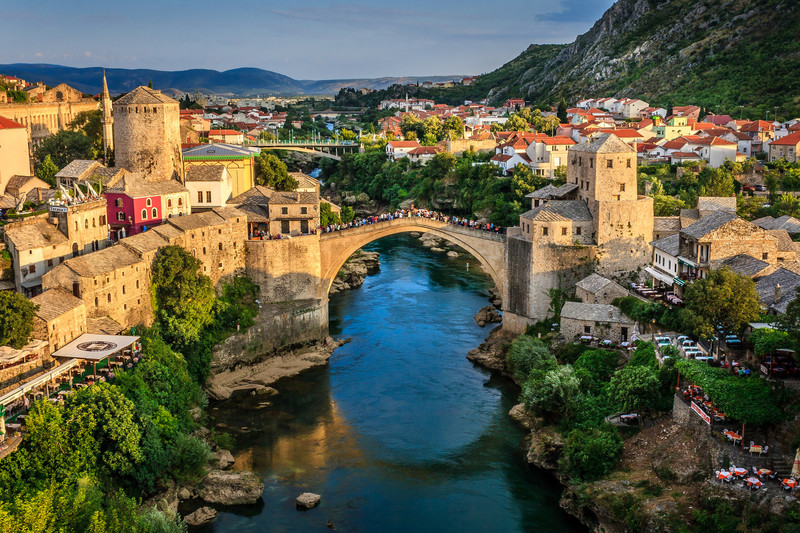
(147, 135)
(107, 120)
(604, 168)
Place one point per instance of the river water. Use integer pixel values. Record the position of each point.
(400, 433)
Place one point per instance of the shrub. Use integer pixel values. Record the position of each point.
(568, 353)
(591, 454)
(551, 392)
(595, 367)
(527, 354)
(634, 388)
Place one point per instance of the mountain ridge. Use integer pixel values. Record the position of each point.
(244, 81)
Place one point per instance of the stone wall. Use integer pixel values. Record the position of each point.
(460, 146)
(285, 269)
(571, 328)
(556, 267)
(624, 232)
(277, 326)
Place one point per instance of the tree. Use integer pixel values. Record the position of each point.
(454, 127)
(516, 123)
(64, 147)
(348, 214)
(433, 128)
(184, 296)
(767, 340)
(790, 321)
(788, 204)
(716, 182)
(326, 215)
(440, 164)
(16, 319)
(90, 124)
(722, 301)
(634, 388)
(47, 170)
(561, 112)
(665, 206)
(527, 354)
(554, 392)
(150, 84)
(592, 454)
(410, 123)
(272, 172)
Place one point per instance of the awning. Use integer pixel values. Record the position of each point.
(688, 262)
(659, 275)
(95, 347)
(679, 282)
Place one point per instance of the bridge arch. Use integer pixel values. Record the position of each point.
(337, 247)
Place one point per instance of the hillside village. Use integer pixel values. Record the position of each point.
(82, 248)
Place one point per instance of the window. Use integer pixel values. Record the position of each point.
(120, 215)
(220, 246)
(102, 220)
(580, 161)
(208, 197)
(284, 226)
(578, 230)
(621, 187)
(204, 250)
(591, 163)
(96, 301)
(32, 268)
(609, 163)
(155, 213)
(86, 223)
(109, 297)
(544, 231)
(284, 210)
(199, 197)
(169, 202)
(94, 223)
(118, 202)
(123, 289)
(137, 283)
(144, 214)
(219, 232)
(564, 231)
(587, 329)
(149, 202)
(629, 162)
(303, 210)
(49, 262)
(180, 202)
(765, 256)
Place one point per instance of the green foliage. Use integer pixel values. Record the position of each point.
(527, 354)
(666, 206)
(551, 392)
(348, 214)
(591, 454)
(184, 297)
(790, 320)
(594, 368)
(644, 355)
(638, 310)
(272, 172)
(90, 124)
(47, 170)
(723, 301)
(327, 216)
(64, 147)
(18, 97)
(16, 319)
(752, 400)
(634, 388)
(766, 340)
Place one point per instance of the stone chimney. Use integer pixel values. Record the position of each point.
(610, 314)
(777, 293)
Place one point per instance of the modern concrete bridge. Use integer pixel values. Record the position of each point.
(330, 149)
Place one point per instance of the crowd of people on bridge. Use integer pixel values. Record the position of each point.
(418, 213)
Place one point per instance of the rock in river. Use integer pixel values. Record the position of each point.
(307, 500)
(488, 315)
(201, 516)
(225, 459)
(231, 488)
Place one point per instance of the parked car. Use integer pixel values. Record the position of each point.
(748, 188)
(760, 188)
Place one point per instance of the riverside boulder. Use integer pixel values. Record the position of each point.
(231, 488)
(201, 516)
(488, 315)
(308, 500)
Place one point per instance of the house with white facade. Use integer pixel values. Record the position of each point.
(400, 149)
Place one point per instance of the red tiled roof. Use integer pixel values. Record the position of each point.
(425, 150)
(623, 133)
(684, 155)
(758, 125)
(558, 140)
(224, 132)
(501, 157)
(7, 124)
(714, 141)
(403, 144)
(790, 140)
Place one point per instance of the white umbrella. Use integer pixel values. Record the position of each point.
(796, 466)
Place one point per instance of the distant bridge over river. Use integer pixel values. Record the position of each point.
(320, 148)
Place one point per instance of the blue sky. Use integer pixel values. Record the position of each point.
(313, 39)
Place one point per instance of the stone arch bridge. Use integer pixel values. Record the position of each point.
(487, 247)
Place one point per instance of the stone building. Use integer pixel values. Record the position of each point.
(595, 289)
(147, 137)
(39, 244)
(135, 204)
(595, 222)
(14, 156)
(60, 318)
(273, 213)
(719, 236)
(596, 320)
(48, 111)
(209, 186)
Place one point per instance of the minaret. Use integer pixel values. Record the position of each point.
(107, 121)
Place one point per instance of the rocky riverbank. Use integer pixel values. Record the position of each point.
(663, 481)
(355, 270)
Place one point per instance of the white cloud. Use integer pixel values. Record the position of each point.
(87, 53)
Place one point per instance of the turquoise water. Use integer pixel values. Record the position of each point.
(400, 433)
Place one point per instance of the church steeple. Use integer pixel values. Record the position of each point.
(107, 120)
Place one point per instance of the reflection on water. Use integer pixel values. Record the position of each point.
(400, 433)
